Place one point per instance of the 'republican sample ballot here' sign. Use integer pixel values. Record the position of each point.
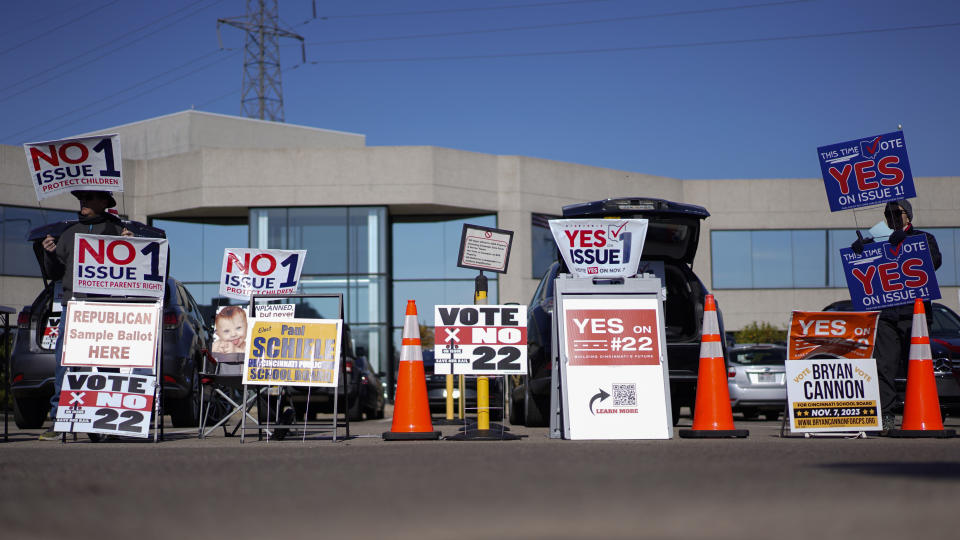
(106, 403)
(111, 334)
(89, 163)
(246, 272)
(884, 275)
(826, 395)
(293, 352)
(119, 265)
(866, 172)
(614, 367)
(600, 247)
(480, 340)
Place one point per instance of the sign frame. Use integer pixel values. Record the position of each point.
(477, 241)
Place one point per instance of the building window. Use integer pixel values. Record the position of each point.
(543, 247)
(425, 267)
(16, 252)
(803, 258)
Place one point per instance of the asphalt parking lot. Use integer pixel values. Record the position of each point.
(760, 487)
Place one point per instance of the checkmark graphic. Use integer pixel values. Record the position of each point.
(615, 233)
(870, 149)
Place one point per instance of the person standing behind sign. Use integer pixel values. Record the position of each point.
(58, 263)
(896, 323)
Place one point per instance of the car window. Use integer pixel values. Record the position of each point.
(759, 357)
(944, 321)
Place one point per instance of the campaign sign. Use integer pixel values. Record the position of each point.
(885, 275)
(107, 403)
(848, 334)
(74, 164)
(600, 247)
(50, 332)
(614, 375)
(111, 334)
(119, 265)
(833, 395)
(480, 340)
(483, 248)
(246, 272)
(866, 172)
(293, 352)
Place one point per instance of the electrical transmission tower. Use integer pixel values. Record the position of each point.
(262, 94)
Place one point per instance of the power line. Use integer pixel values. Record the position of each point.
(457, 10)
(640, 48)
(55, 28)
(102, 54)
(101, 99)
(113, 104)
(566, 24)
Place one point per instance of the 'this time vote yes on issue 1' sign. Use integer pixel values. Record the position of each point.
(105, 334)
(480, 340)
(74, 164)
(885, 275)
(484, 248)
(866, 172)
(246, 272)
(107, 403)
(293, 352)
(119, 265)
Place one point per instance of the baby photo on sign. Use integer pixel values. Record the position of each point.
(229, 339)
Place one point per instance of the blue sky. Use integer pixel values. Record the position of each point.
(686, 89)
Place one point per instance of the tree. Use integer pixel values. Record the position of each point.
(761, 333)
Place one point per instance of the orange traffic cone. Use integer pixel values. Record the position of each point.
(712, 417)
(921, 408)
(411, 408)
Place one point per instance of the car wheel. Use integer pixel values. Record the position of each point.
(185, 412)
(533, 410)
(30, 413)
(771, 415)
(516, 412)
(355, 411)
(749, 413)
(675, 411)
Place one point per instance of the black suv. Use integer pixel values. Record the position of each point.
(185, 337)
(673, 234)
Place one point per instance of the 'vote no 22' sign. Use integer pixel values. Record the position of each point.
(480, 340)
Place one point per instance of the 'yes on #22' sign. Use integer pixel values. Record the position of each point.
(866, 172)
(260, 271)
(480, 340)
(884, 275)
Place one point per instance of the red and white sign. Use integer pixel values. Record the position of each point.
(246, 272)
(111, 334)
(600, 247)
(75, 164)
(107, 403)
(846, 334)
(480, 340)
(119, 265)
(614, 368)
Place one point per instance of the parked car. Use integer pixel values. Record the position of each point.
(437, 391)
(756, 379)
(184, 338)
(945, 349)
(364, 394)
(673, 235)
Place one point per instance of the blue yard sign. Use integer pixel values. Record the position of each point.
(866, 172)
(884, 275)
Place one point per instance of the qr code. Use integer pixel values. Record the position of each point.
(624, 395)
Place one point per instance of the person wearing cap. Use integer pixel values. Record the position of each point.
(93, 218)
(895, 325)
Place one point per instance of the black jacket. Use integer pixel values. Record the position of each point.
(59, 263)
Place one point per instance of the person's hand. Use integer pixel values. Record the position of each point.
(49, 244)
(857, 245)
(897, 237)
(126, 232)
